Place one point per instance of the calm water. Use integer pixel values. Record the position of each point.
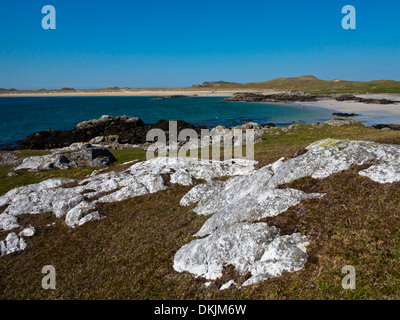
(21, 116)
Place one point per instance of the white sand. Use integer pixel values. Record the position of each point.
(367, 109)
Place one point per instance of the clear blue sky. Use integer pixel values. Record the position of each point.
(176, 43)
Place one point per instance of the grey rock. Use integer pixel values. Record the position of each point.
(9, 158)
(341, 122)
(74, 202)
(82, 158)
(227, 285)
(255, 248)
(8, 222)
(81, 213)
(27, 232)
(12, 243)
(253, 196)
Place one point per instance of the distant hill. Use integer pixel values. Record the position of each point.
(309, 83)
(208, 84)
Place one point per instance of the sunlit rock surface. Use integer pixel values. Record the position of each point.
(255, 248)
(71, 198)
(226, 235)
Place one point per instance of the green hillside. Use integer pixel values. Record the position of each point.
(311, 84)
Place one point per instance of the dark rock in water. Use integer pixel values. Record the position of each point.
(387, 126)
(175, 96)
(301, 97)
(350, 97)
(281, 97)
(130, 130)
(339, 114)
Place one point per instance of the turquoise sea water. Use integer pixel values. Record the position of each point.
(21, 116)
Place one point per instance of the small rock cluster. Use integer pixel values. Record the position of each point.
(76, 201)
(87, 157)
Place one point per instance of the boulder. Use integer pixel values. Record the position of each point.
(341, 122)
(12, 243)
(75, 204)
(9, 158)
(64, 161)
(255, 248)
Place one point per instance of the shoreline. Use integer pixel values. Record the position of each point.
(357, 107)
(341, 106)
(141, 93)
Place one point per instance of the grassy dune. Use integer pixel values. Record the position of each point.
(312, 84)
(129, 254)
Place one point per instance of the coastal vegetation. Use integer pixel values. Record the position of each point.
(129, 254)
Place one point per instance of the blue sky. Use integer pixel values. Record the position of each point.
(177, 43)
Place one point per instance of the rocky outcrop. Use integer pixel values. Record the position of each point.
(228, 238)
(9, 158)
(77, 201)
(301, 97)
(255, 248)
(12, 243)
(350, 97)
(387, 126)
(341, 122)
(279, 97)
(130, 130)
(84, 158)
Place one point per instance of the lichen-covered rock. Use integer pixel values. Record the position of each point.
(64, 161)
(84, 210)
(253, 208)
(12, 243)
(8, 222)
(255, 248)
(341, 122)
(9, 158)
(74, 200)
(251, 197)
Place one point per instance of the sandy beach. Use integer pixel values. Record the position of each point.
(366, 109)
(340, 106)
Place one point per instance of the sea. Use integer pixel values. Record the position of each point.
(21, 116)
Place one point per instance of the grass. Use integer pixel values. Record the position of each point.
(129, 254)
(24, 177)
(314, 85)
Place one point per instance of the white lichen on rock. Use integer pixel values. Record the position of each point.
(249, 247)
(252, 197)
(70, 198)
(12, 243)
